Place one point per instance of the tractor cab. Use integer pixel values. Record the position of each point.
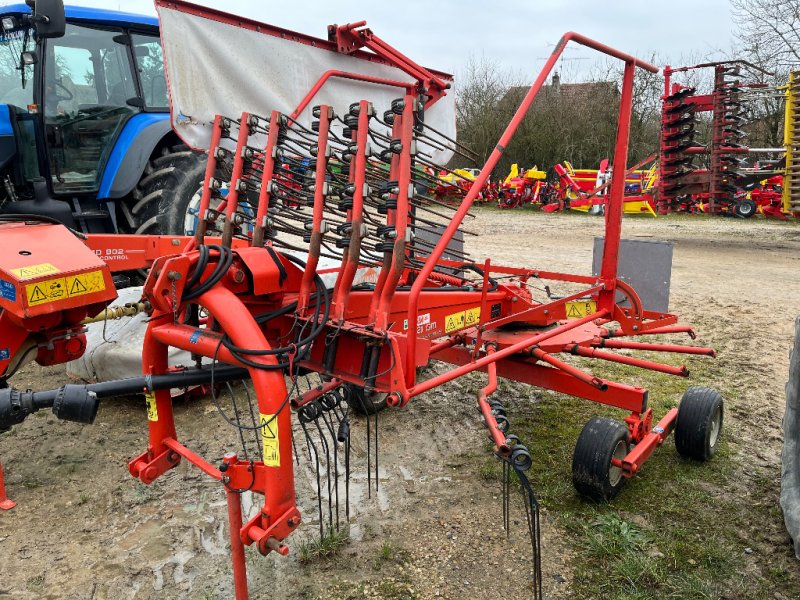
(70, 82)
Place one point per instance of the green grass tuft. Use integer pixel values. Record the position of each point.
(325, 547)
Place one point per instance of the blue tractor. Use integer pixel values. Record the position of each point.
(85, 134)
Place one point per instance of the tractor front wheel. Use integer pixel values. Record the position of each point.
(167, 198)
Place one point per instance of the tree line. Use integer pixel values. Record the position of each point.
(577, 121)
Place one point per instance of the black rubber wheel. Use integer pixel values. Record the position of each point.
(593, 475)
(699, 423)
(169, 188)
(362, 403)
(745, 209)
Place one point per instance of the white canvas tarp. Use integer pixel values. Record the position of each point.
(215, 67)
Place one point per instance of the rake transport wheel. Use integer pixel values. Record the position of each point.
(699, 423)
(363, 403)
(593, 475)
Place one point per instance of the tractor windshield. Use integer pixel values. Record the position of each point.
(16, 81)
(88, 83)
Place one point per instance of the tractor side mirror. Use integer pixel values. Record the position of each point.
(48, 18)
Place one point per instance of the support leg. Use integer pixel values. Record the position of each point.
(237, 547)
(5, 503)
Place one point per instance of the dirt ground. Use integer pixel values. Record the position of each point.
(85, 529)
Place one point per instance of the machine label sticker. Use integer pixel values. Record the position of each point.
(454, 321)
(34, 271)
(580, 309)
(472, 316)
(53, 290)
(7, 290)
(422, 320)
(5, 354)
(269, 440)
(152, 409)
(194, 337)
(495, 314)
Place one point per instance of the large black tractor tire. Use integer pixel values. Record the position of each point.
(170, 185)
(790, 457)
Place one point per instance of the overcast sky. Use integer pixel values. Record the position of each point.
(517, 34)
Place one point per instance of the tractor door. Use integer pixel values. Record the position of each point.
(88, 83)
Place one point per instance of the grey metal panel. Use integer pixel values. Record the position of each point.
(456, 244)
(644, 264)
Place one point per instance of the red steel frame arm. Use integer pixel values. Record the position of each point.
(391, 220)
(401, 217)
(345, 75)
(483, 176)
(350, 38)
(615, 204)
(429, 384)
(266, 180)
(320, 185)
(351, 254)
(211, 166)
(236, 175)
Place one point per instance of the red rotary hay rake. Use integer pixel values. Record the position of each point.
(347, 189)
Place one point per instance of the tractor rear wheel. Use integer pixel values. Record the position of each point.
(167, 198)
(593, 475)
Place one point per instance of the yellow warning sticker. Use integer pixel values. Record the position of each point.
(152, 409)
(454, 321)
(85, 283)
(472, 316)
(580, 309)
(61, 288)
(34, 271)
(51, 290)
(269, 440)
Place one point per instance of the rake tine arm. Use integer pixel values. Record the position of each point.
(681, 371)
(574, 371)
(630, 345)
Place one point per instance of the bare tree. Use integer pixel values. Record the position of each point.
(772, 27)
(770, 38)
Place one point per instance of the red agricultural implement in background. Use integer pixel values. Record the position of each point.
(587, 190)
(254, 300)
(719, 184)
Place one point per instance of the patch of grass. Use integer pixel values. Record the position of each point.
(489, 470)
(32, 484)
(82, 499)
(325, 547)
(389, 553)
(396, 590)
(36, 583)
(138, 493)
